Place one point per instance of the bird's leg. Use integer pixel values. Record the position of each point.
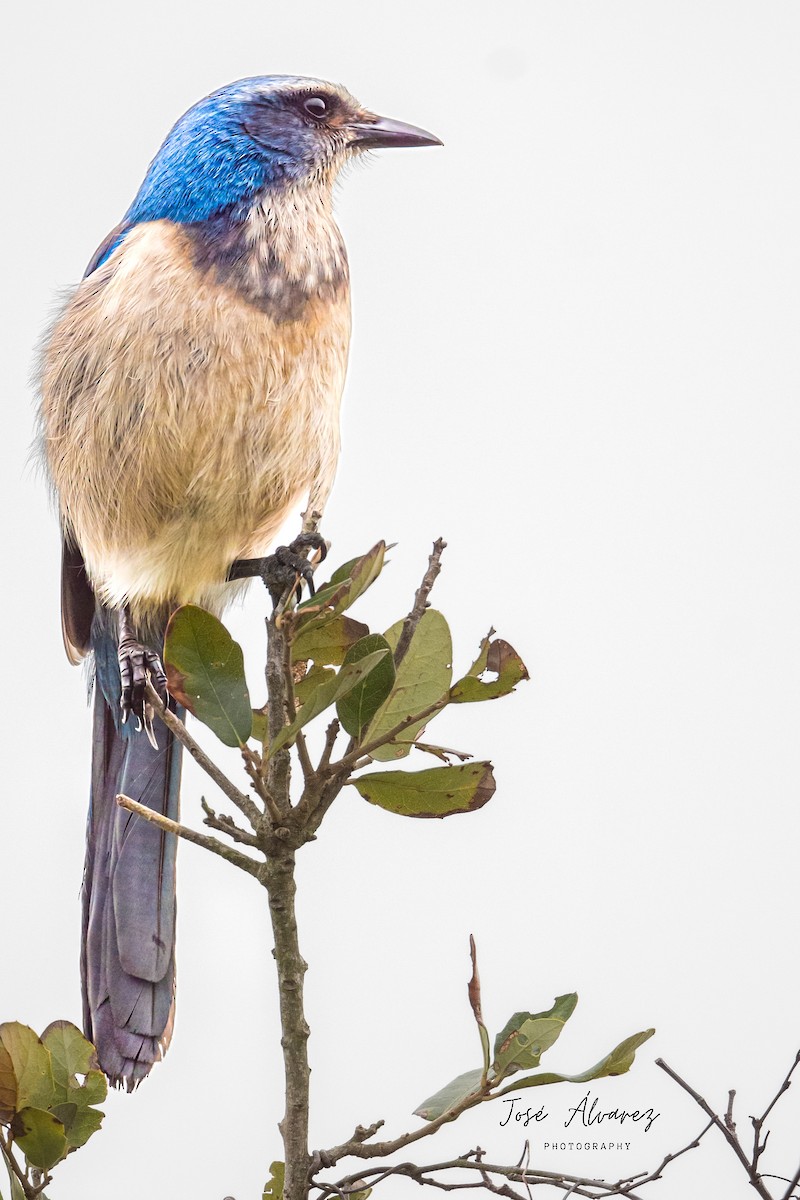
(137, 662)
(286, 568)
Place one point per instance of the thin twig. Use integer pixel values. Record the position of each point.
(253, 766)
(792, 1185)
(572, 1184)
(291, 710)
(758, 1122)
(331, 734)
(348, 762)
(420, 601)
(243, 861)
(32, 1191)
(644, 1177)
(243, 802)
(729, 1121)
(730, 1137)
(356, 1149)
(227, 825)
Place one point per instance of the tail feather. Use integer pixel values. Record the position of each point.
(128, 957)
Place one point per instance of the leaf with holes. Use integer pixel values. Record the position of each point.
(358, 707)
(273, 1188)
(498, 658)
(437, 792)
(327, 644)
(526, 1036)
(205, 673)
(325, 694)
(72, 1055)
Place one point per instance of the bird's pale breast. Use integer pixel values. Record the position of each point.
(181, 422)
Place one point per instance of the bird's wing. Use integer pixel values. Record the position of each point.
(107, 246)
(77, 603)
(77, 597)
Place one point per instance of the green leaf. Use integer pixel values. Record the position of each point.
(526, 1036)
(437, 792)
(358, 707)
(16, 1187)
(449, 1096)
(40, 1136)
(618, 1062)
(86, 1122)
(66, 1113)
(423, 678)
(8, 1086)
(346, 584)
(31, 1063)
(484, 1036)
(273, 1188)
(500, 659)
(260, 730)
(305, 687)
(72, 1055)
(327, 644)
(325, 695)
(17, 1191)
(205, 673)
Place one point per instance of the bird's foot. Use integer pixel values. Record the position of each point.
(286, 569)
(137, 664)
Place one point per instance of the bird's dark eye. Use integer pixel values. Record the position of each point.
(316, 106)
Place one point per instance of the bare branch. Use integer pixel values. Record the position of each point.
(237, 859)
(357, 1149)
(331, 734)
(758, 1122)
(179, 730)
(31, 1190)
(420, 600)
(356, 752)
(521, 1172)
(730, 1137)
(253, 764)
(790, 1191)
(227, 825)
(473, 1162)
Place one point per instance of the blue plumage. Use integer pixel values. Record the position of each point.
(211, 162)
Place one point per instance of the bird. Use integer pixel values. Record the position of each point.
(189, 396)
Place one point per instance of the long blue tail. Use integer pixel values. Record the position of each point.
(128, 952)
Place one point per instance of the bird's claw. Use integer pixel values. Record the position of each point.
(137, 664)
(286, 569)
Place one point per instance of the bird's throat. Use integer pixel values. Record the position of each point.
(282, 253)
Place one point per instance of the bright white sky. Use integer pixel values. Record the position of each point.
(577, 357)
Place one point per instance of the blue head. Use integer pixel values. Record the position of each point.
(272, 131)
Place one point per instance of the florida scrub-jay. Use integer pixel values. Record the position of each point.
(189, 398)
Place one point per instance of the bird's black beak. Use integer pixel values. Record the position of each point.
(382, 132)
